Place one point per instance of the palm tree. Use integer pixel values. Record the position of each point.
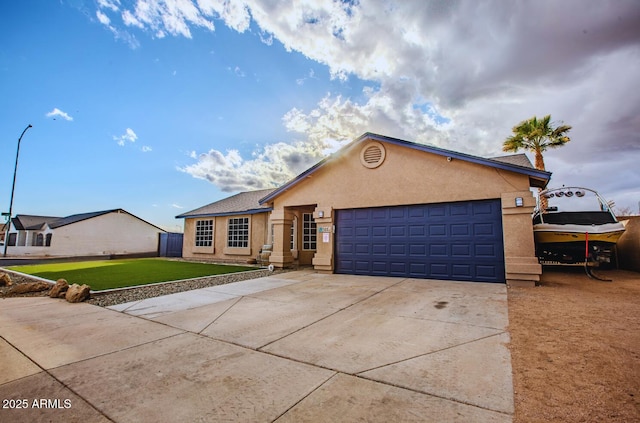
(537, 135)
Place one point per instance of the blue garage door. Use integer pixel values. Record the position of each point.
(453, 241)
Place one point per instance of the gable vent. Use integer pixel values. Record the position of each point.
(372, 155)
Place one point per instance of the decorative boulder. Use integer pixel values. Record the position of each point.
(59, 290)
(5, 279)
(77, 293)
(25, 288)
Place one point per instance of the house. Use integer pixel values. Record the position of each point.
(388, 207)
(102, 233)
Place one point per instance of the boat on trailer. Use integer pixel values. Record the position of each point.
(574, 225)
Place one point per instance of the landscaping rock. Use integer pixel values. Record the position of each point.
(59, 290)
(77, 293)
(24, 288)
(5, 279)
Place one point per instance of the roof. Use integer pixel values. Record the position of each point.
(31, 222)
(24, 222)
(516, 163)
(515, 159)
(242, 203)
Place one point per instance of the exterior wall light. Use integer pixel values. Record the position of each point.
(321, 213)
(519, 202)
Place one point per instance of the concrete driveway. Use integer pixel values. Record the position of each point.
(293, 347)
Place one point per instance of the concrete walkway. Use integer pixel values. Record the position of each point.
(294, 347)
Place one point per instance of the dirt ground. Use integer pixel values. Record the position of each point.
(575, 347)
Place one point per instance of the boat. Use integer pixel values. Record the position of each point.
(574, 225)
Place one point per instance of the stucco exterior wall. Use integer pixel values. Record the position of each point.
(258, 236)
(409, 176)
(629, 244)
(406, 176)
(107, 234)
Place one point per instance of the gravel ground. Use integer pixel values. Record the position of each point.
(105, 299)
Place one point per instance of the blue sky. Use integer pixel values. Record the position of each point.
(162, 106)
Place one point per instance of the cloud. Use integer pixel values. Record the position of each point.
(146, 149)
(177, 206)
(128, 135)
(271, 166)
(109, 4)
(112, 6)
(59, 113)
(238, 72)
(455, 74)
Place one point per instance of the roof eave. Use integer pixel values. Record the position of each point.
(233, 213)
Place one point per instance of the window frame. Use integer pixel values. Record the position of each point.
(309, 233)
(203, 234)
(238, 232)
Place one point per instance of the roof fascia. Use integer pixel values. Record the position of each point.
(236, 213)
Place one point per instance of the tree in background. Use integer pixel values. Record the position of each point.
(537, 135)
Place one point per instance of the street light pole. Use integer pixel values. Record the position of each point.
(13, 187)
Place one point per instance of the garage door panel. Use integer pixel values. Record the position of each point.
(459, 210)
(438, 250)
(379, 249)
(397, 249)
(439, 270)
(483, 208)
(363, 249)
(484, 229)
(460, 229)
(398, 268)
(398, 231)
(379, 232)
(455, 241)
(437, 230)
(485, 250)
(417, 231)
(436, 211)
(486, 272)
(461, 251)
(417, 250)
(462, 271)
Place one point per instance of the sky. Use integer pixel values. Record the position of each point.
(162, 106)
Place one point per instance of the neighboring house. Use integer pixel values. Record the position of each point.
(386, 207)
(109, 232)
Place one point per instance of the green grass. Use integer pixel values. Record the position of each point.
(110, 274)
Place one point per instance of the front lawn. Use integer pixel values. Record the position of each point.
(108, 274)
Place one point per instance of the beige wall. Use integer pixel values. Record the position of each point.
(258, 236)
(408, 176)
(629, 244)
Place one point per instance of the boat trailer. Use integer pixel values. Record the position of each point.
(591, 260)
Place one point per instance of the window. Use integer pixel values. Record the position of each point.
(308, 232)
(204, 233)
(47, 240)
(238, 232)
(38, 241)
